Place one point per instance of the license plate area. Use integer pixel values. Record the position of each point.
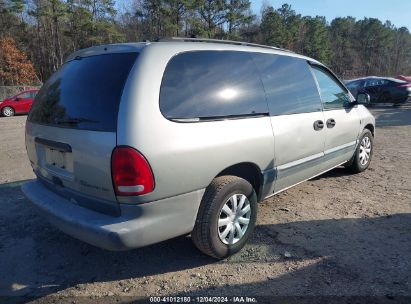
(58, 159)
(54, 157)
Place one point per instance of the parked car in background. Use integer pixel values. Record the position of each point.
(18, 104)
(381, 90)
(404, 78)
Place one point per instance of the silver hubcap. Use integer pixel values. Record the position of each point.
(7, 112)
(234, 219)
(365, 150)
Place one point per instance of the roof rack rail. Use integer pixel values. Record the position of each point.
(184, 39)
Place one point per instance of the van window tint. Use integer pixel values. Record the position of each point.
(210, 84)
(84, 93)
(289, 84)
(333, 94)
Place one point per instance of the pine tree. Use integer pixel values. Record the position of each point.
(238, 14)
(213, 14)
(317, 39)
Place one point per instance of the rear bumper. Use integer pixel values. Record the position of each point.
(138, 225)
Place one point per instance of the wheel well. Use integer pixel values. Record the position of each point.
(248, 171)
(371, 128)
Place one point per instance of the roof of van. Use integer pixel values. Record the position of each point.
(212, 44)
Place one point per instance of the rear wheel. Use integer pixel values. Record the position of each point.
(363, 154)
(226, 217)
(7, 111)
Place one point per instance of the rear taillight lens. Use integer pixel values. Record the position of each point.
(131, 172)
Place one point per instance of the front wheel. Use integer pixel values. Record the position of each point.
(7, 111)
(226, 217)
(363, 154)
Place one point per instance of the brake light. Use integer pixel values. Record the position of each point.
(131, 172)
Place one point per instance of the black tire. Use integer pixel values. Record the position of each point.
(205, 234)
(355, 165)
(7, 111)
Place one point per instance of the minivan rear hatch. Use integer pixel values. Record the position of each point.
(71, 128)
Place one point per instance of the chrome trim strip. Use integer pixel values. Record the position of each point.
(332, 150)
(305, 180)
(300, 161)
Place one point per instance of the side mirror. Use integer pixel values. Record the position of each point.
(363, 98)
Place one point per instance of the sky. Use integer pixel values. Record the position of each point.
(397, 11)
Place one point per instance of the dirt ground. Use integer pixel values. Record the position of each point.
(335, 235)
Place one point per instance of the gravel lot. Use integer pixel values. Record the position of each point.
(338, 234)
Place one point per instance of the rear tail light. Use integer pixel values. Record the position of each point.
(131, 172)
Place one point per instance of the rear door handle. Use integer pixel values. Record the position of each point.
(318, 125)
(330, 123)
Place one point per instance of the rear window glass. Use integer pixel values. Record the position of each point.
(211, 84)
(84, 93)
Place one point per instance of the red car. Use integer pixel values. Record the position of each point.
(20, 103)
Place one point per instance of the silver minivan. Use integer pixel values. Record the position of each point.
(133, 144)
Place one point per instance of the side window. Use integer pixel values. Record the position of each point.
(354, 85)
(33, 94)
(333, 94)
(289, 84)
(375, 82)
(24, 95)
(210, 84)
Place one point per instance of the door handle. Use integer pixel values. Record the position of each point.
(330, 123)
(318, 125)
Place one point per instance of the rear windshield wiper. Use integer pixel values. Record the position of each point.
(73, 120)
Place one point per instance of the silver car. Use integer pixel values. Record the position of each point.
(133, 144)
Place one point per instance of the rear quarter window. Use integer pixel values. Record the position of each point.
(211, 84)
(84, 93)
